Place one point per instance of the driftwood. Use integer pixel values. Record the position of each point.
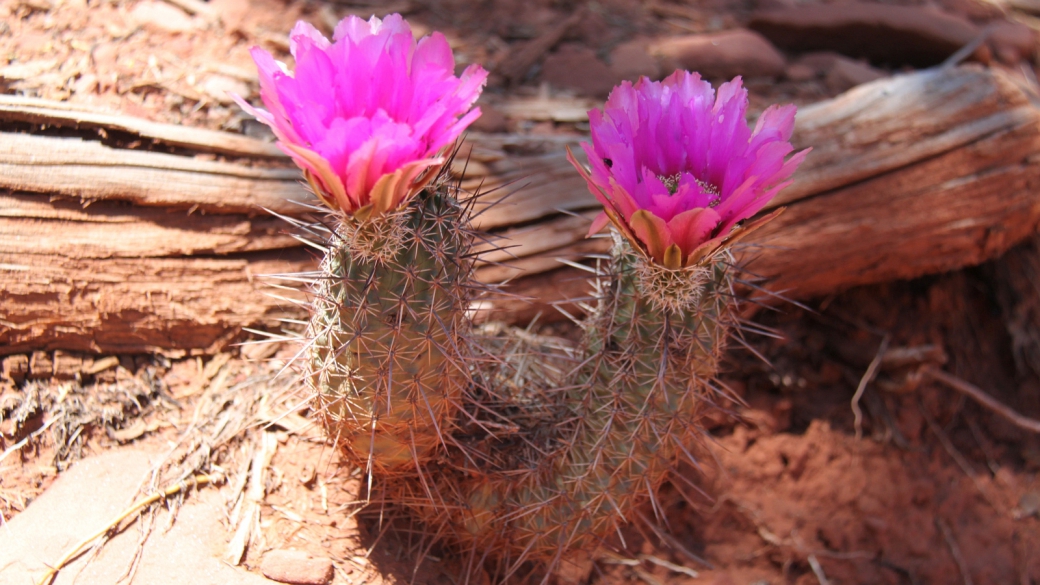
(108, 247)
(908, 176)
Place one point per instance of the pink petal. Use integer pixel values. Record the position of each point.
(652, 231)
(692, 228)
(304, 30)
(601, 220)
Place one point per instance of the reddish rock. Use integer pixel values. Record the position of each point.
(234, 13)
(15, 367)
(296, 567)
(1012, 42)
(41, 366)
(221, 87)
(720, 55)
(975, 10)
(896, 35)
(632, 60)
(799, 72)
(161, 17)
(1027, 6)
(819, 62)
(85, 498)
(846, 73)
(491, 120)
(578, 69)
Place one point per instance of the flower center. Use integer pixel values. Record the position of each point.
(671, 182)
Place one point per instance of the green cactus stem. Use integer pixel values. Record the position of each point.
(588, 444)
(387, 318)
(510, 446)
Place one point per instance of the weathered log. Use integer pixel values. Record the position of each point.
(909, 176)
(130, 305)
(61, 114)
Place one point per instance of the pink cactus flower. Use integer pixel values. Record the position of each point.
(677, 168)
(369, 115)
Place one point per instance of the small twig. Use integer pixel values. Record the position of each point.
(195, 482)
(646, 577)
(955, 551)
(249, 521)
(967, 50)
(670, 565)
(867, 378)
(28, 438)
(976, 393)
(817, 569)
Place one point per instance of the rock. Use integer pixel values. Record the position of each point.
(220, 87)
(15, 367)
(720, 55)
(632, 60)
(975, 10)
(491, 120)
(820, 62)
(233, 13)
(41, 366)
(577, 68)
(161, 17)
(1012, 42)
(1030, 6)
(88, 496)
(799, 72)
(846, 73)
(884, 34)
(296, 567)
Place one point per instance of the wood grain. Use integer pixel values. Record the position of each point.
(111, 249)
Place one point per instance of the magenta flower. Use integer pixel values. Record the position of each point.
(677, 168)
(368, 116)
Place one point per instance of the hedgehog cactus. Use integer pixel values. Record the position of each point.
(507, 445)
(386, 327)
(368, 117)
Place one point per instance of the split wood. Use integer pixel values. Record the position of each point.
(910, 175)
(182, 486)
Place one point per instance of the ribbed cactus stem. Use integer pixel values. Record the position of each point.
(624, 415)
(386, 322)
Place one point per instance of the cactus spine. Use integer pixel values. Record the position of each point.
(623, 414)
(385, 358)
(535, 451)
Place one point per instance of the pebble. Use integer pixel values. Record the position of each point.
(721, 55)
(296, 567)
(220, 88)
(632, 60)
(161, 17)
(848, 73)
(1012, 42)
(882, 33)
(578, 69)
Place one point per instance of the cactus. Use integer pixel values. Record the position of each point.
(386, 356)
(590, 445)
(510, 446)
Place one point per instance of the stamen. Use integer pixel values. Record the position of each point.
(671, 182)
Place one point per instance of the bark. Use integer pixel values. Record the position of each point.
(110, 246)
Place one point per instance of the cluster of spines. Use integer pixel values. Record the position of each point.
(508, 446)
(625, 411)
(387, 351)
